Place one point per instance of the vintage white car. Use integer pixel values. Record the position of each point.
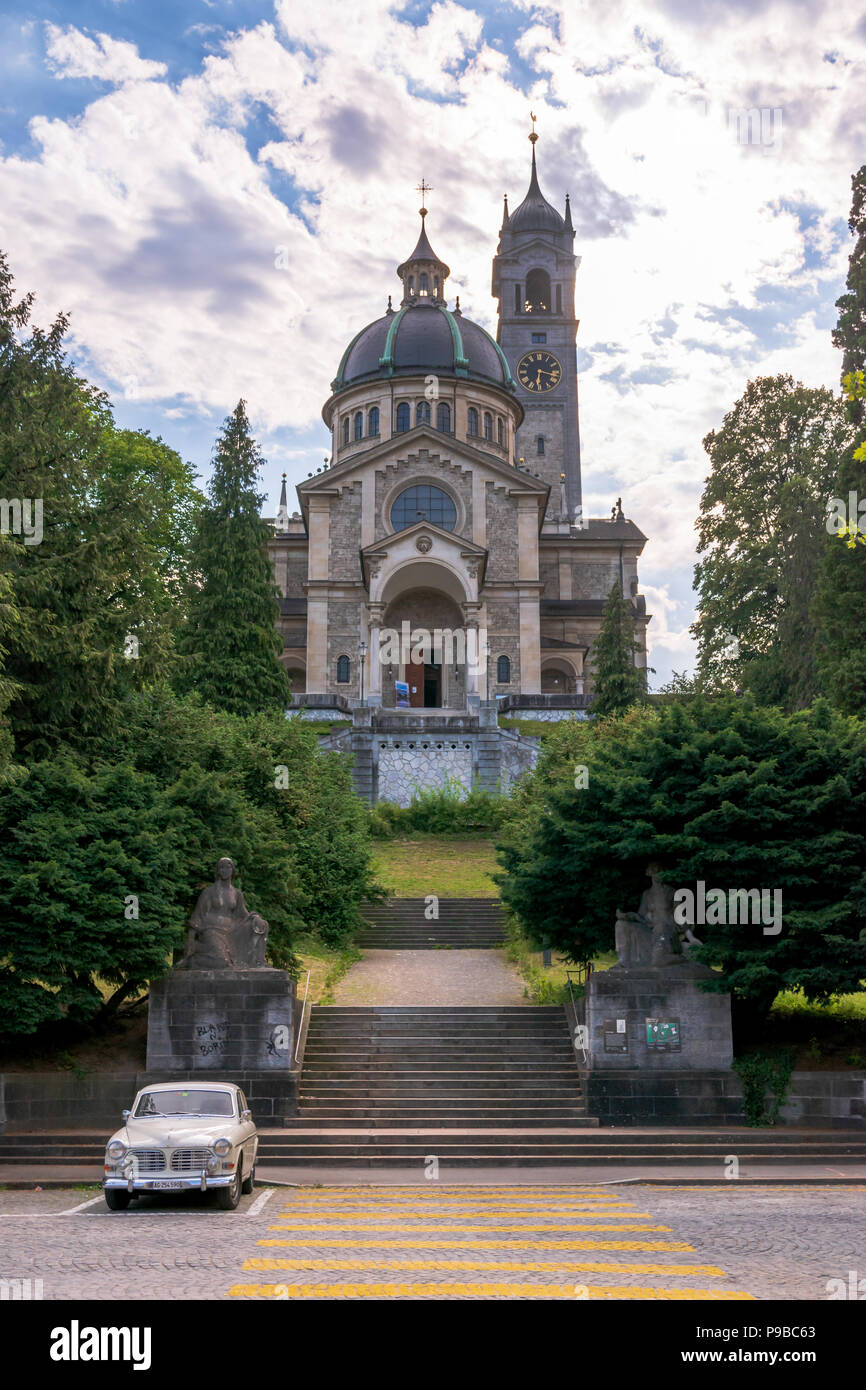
(179, 1137)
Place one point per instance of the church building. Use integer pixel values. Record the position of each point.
(451, 502)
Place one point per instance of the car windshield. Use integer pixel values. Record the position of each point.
(182, 1102)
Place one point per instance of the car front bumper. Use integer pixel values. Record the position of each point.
(181, 1182)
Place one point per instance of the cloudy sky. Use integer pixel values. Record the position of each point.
(219, 191)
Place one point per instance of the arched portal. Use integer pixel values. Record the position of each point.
(558, 677)
(423, 644)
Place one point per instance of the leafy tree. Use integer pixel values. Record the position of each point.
(99, 579)
(229, 642)
(79, 849)
(850, 331)
(617, 682)
(840, 600)
(719, 790)
(321, 867)
(760, 530)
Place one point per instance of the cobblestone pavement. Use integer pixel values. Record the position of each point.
(431, 977)
(442, 1241)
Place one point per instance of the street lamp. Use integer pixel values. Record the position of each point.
(362, 648)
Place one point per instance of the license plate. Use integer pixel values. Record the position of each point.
(168, 1186)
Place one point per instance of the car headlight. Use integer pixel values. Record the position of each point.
(115, 1150)
(222, 1147)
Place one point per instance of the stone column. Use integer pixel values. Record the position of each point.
(474, 677)
(317, 595)
(530, 643)
(375, 613)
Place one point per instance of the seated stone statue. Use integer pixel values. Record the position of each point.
(649, 937)
(222, 934)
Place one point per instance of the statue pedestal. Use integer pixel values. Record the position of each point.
(221, 1021)
(657, 1019)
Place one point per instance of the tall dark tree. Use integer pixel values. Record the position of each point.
(229, 643)
(761, 530)
(850, 331)
(718, 790)
(617, 682)
(92, 543)
(840, 600)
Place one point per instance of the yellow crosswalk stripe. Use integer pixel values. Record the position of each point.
(322, 1227)
(431, 1290)
(406, 1218)
(511, 1266)
(680, 1246)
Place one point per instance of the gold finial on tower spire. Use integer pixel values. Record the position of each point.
(423, 188)
(532, 116)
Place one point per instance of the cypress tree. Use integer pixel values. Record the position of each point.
(618, 683)
(229, 642)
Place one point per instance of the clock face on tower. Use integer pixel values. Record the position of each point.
(539, 371)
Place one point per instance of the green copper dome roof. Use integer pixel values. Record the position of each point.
(423, 339)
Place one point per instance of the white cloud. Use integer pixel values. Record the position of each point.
(72, 53)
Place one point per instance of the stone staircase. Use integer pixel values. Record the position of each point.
(841, 1154)
(439, 1067)
(462, 924)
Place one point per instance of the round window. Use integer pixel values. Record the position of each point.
(423, 503)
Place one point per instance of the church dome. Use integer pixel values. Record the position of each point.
(420, 339)
(423, 336)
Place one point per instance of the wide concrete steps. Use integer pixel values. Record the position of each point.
(461, 924)
(369, 1146)
(437, 1068)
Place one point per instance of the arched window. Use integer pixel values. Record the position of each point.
(436, 286)
(422, 413)
(559, 299)
(373, 420)
(404, 417)
(411, 284)
(538, 292)
(500, 432)
(539, 444)
(518, 300)
(343, 670)
(422, 284)
(359, 424)
(443, 417)
(503, 670)
(488, 425)
(423, 502)
(345, 429)
(472, 420)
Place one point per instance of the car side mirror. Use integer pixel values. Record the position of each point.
(125, 1114)
(246, 1115)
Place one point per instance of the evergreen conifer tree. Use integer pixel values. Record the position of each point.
(229, 642)
(617, 682)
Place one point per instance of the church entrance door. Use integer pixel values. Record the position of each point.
(415, 681)
(432, 686)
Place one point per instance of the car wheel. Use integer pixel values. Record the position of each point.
(116, 1199)
(249, 1182)
(229, 1197)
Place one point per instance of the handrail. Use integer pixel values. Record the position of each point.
(583, 972)
(303, 1010)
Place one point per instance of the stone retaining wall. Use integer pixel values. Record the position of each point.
(60, 1100)
(816, 1099)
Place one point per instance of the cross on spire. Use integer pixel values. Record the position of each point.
(423, 188)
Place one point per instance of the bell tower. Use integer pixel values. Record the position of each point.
(533, 280)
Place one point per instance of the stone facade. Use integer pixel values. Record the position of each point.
(450, 498)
